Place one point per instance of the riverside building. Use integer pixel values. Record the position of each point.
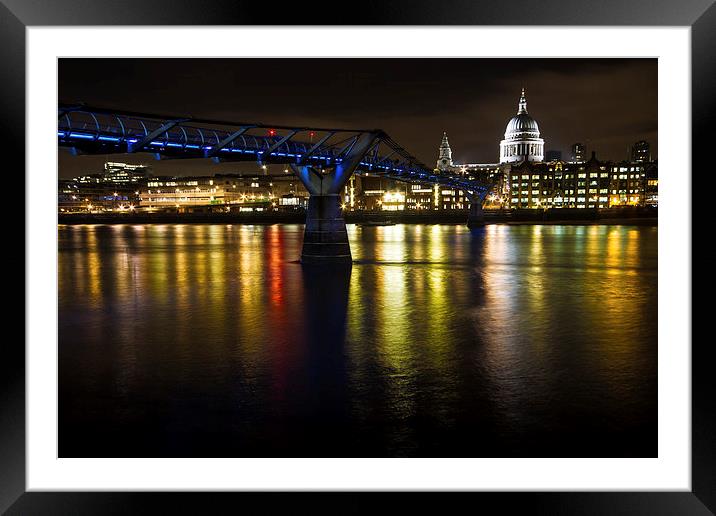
(224, 191)
(591, 184)
(113, 189)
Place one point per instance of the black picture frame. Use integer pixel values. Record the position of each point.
(17, 15)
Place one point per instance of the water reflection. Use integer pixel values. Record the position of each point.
(211, 340)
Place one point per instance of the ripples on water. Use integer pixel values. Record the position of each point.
(211, 340)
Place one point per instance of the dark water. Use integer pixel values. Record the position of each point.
(210, 340)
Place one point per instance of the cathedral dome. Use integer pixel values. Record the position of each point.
(522, 137)
(522, 125)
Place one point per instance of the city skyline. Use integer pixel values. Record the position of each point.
(607, 104)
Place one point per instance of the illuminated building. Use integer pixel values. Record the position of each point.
(578, 152)
(375, 193)
(522, 137)
(349, 194)
(591, 184)
(74, 196)
(229, 191)
(124, 173)
(628, 184)
(641, 151)
(117, 175)
(421, 196)
(393, 201)
(370, 191)
(651, 191)
(180, 192)
(114, 189)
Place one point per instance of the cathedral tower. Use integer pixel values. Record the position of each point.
(445, 155)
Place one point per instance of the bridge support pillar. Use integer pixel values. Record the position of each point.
(476, 217)
(325, 238)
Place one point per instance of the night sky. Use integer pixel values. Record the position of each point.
(608, 104)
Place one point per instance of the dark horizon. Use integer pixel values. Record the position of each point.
(606, 104)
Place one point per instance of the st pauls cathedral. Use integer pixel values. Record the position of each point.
(522, 143)
(527, 178)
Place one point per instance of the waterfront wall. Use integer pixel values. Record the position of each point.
(635, 214)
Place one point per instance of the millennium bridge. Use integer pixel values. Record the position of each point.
(322, 158)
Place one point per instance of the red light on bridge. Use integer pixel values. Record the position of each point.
(272, 132)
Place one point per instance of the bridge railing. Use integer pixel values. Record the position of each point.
(122, 130)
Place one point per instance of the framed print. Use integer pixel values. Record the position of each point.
(427, 252)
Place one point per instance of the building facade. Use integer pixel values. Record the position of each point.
(591, 184)
(224, 191)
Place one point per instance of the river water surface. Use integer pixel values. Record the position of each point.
(213, 341)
